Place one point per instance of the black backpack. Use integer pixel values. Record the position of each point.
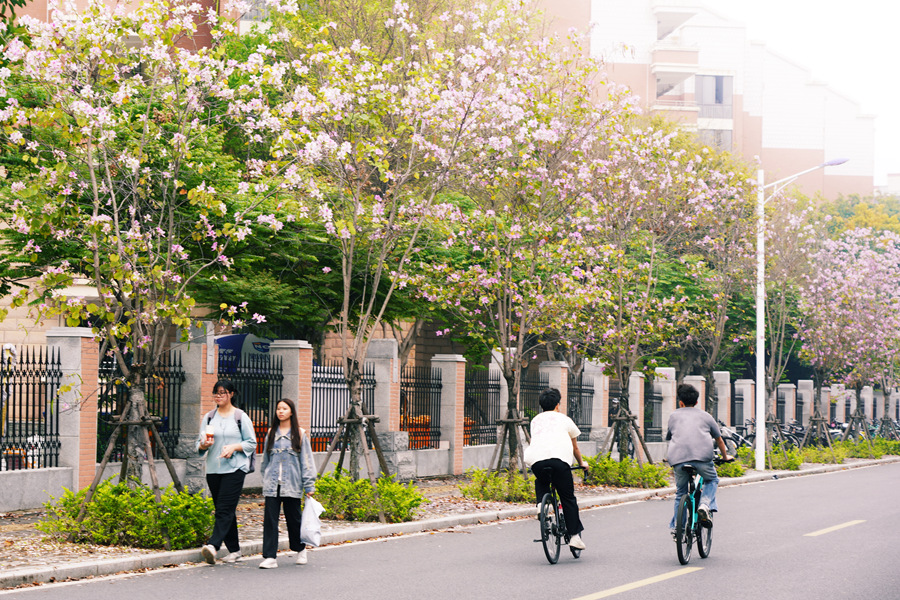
(238, 416)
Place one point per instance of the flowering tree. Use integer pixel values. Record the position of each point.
(849, 302)
(522, 232)
(649, 198)
(380, 126)
(121, 179)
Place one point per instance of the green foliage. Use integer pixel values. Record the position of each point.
(493, 486)
(120, 516)
(822, 454)
(891, 447)
(731, 469)
(349, 500)
(603, 470)
(787, 459)
(862, 449)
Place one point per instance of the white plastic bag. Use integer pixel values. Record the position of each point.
(310, 526)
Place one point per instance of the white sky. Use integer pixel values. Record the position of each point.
(852, 46)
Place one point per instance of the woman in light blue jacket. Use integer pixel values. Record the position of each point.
(228, 443)
(287, 471)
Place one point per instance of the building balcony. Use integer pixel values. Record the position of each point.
(671, 14)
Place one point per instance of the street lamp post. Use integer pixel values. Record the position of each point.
(761, 432)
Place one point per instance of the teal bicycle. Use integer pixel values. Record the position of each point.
(688, 526)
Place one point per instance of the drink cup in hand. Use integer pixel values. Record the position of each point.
(210, 434)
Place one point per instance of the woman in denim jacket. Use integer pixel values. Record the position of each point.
(287, 471)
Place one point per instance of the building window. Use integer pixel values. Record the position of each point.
(714, 96)
(719, 139)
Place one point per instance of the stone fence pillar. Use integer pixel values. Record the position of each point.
(201, 371)
(806, 394)
(453, 403)
(789, 392)
(722, 381)
(698, 383)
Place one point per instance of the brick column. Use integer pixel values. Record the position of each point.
(599, 405)
(453, 403)
(748, 388)
(383, 355)
(636, 398)
(80, 361)
(866, 396)
(296, 363)
(558, 377)
(806, 392)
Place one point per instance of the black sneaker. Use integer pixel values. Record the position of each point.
(704, 514)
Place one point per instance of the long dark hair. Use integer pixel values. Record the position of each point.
(295, 427)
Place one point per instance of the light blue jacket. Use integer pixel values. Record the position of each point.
(227, 432)
(295, 472)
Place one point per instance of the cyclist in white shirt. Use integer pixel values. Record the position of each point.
(554, 446)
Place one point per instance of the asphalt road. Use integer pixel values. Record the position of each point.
(823, 537)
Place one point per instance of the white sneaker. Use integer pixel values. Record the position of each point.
(208, 552)
(704, 514)
(301, 557)
(576, 542)
(268, 563)
(231, 557)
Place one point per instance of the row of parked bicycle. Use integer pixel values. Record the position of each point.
(793, 433)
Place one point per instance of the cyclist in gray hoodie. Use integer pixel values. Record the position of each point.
(691, 434)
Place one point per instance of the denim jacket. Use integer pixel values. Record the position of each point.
(295, 472)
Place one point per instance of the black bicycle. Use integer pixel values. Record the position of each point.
(687, 523)
(553, 523)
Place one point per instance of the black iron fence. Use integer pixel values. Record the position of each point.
(530, 388)
(420, 406)
(737, 410)
(847, 411)
(713, 407)
(258, 379)
(331, 401)
(798, 408)
(162, 393)
(580, 401)
(615, 393)
(482, 410)
(653, 417)
(780, 401)
(29, 408)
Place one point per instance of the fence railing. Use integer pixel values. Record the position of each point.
(653, 417)
(780, 401)
(798, 408)
(530, 388)
(29, 408)
(162, 393)
(737, 410)
(331, 400)
(482, 410)
(258, 379)
(420, 406)
(580, 401)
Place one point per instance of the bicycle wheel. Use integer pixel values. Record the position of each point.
(704, 539)
(684, 530)
(550, 534)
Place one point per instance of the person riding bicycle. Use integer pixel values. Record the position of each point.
(690, 434)
(554, 445)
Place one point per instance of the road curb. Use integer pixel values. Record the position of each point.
(23, 576)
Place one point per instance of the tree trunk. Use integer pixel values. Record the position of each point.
(137, 439)
(354, 384)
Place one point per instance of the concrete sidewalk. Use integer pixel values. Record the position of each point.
(362, 531)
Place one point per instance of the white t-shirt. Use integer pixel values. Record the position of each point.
(551, 437)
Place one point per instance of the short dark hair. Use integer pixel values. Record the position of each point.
(549, 398)
(687, 394)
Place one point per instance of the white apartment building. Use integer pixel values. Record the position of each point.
(695, 66)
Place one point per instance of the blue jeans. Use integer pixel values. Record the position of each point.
(707, 470)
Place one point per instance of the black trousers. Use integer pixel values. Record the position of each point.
(561, 475)
(292, 515)
(225, 489)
